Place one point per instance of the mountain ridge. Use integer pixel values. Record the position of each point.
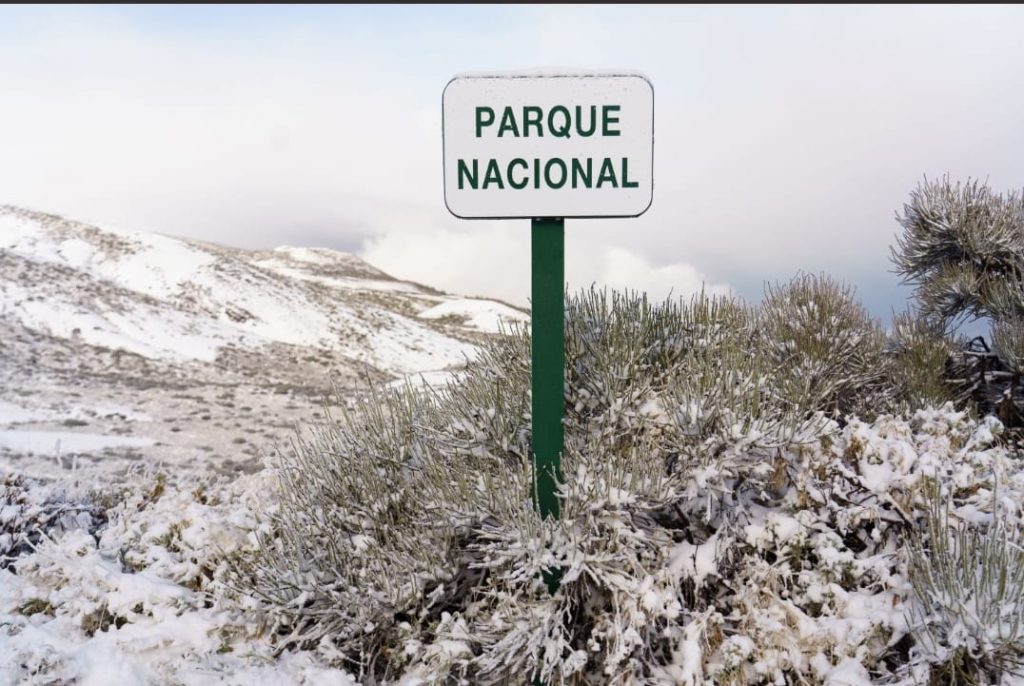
(287, 295)
(178, 330)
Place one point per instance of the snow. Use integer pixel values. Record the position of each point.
(64, 442)
(76, 253)
(849, 672)
(22, 236)
(140, 596)
(16, 414)
(146, 331)
(110, 410)
(322, 256)
(165, 298)
(696, 562)
(153, 265)
(691, 656)
(483, 315)
(342, 282)
(158, 567)
(170, 627)
(167, 648)
(160, 268)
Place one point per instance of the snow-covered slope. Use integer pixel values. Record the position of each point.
(176, 299)
(120, 349)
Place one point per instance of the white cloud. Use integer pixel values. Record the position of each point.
(787, 137)
(493, 258)
(196, 138)
(485, 258)
(622, 269)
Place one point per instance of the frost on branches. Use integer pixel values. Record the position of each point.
(724, 521)
(962, 248)
(28, 514)
(141, 599)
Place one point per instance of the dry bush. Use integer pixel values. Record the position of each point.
(703, 496)
(968, 580)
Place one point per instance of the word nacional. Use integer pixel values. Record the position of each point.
(557, 122)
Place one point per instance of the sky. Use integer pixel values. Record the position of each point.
(786, 137)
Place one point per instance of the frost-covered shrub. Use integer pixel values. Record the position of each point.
(141, 599)
(29, 511)
(919, 351)
(714, 528)
(829, 350)
(187, 534)
(962, 248)
(419, 507)
(968, 579)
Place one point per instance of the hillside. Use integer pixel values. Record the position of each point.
(122, 347)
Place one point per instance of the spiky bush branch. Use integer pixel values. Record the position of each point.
(962, 248)
(969, 585)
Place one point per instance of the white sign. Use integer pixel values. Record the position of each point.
(525, 145)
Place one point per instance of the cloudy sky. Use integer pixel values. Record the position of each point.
(786, 137)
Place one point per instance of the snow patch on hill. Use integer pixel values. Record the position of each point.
(484, 315)
(167, 298)
(11, 413)
(57, 442)
(151, 264)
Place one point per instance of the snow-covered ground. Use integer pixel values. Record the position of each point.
(56, 443)
(124, 355)
(144, 599)
(135, 604)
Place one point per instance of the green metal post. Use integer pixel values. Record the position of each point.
(548, 359)
(547, 382)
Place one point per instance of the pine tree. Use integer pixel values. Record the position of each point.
(962, 248)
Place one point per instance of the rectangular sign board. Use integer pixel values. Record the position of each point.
(524, 145)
